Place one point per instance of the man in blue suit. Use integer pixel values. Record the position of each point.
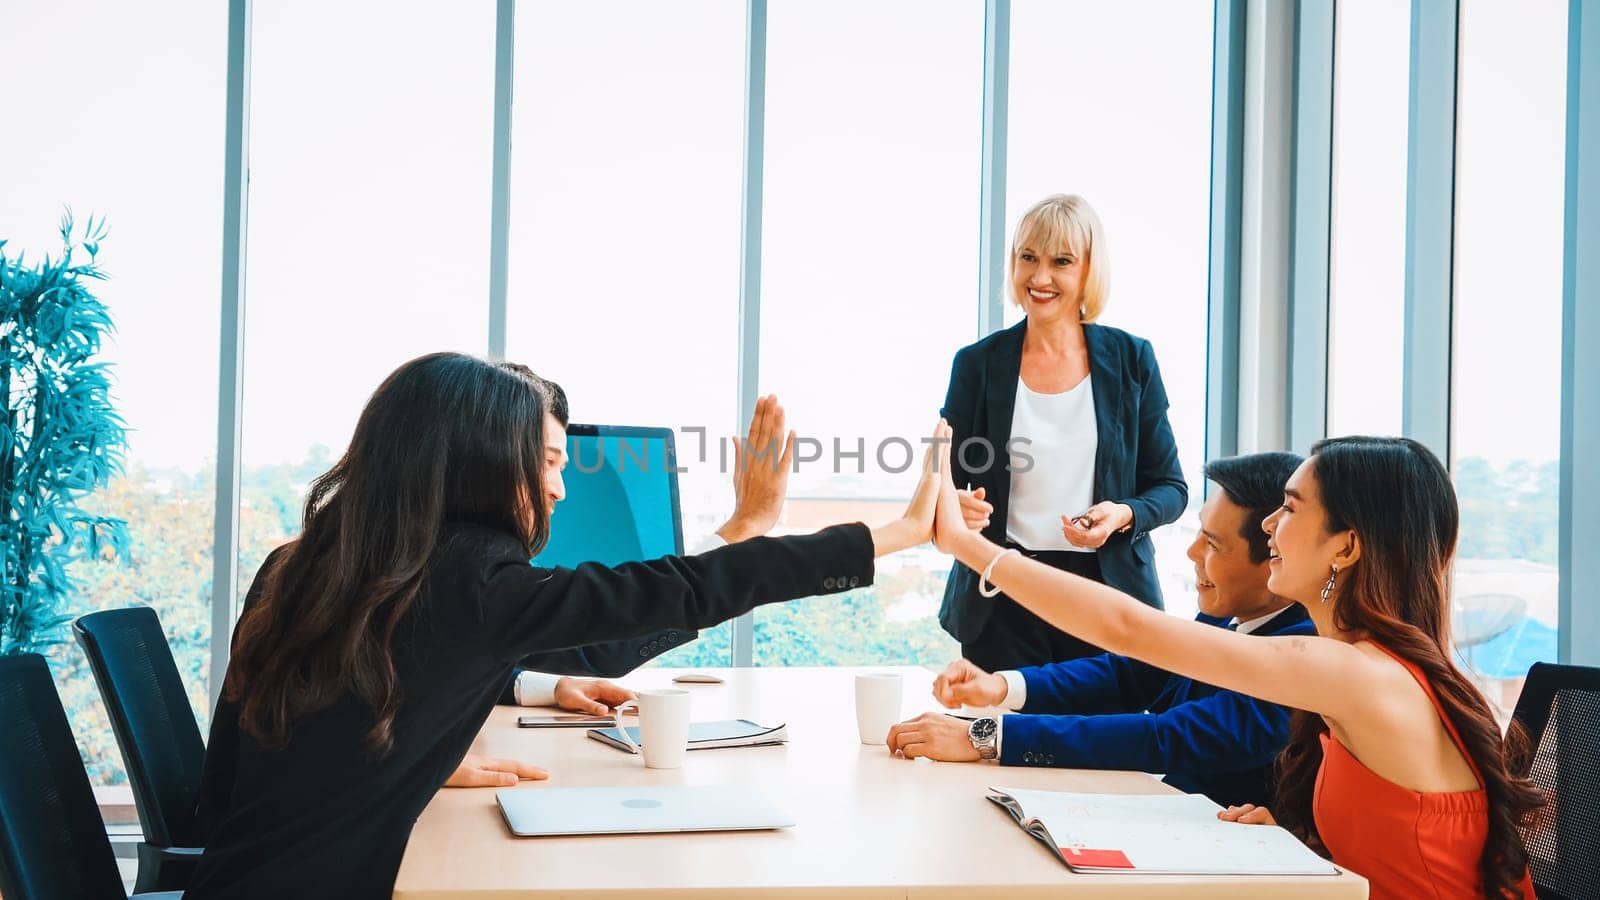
(1113, 712)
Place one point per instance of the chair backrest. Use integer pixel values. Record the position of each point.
(1560, 708)
(53, 844)
(150, 714)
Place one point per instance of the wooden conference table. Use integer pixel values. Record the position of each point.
(869, 825)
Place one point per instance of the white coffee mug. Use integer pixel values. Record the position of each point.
(663, 727)
(877, 705)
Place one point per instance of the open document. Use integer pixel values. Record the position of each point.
(1176, 834)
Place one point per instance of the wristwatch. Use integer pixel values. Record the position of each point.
(982, 733)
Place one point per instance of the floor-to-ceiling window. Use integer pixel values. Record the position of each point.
(1506, 358)
(625, 220)
(116, 111)
(370, 158)
(1112, 101)
(1366, 265)
(869, 285)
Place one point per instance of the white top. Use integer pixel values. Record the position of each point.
(1062, 437)
(539, 688)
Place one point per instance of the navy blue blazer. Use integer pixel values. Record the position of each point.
(1136, 461)
(1113, 712)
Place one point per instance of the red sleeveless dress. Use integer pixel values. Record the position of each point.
(1408, 844)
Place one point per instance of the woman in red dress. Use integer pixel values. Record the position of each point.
(1396, 766)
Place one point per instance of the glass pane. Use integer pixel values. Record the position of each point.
(128, 125)
(370, 172)
(1366, 328)
(625, 229)
(868, 288)
(1138, 147)
(1510, 130)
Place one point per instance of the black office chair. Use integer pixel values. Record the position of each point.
(1560, 708)
(157, 734)
(53, 845)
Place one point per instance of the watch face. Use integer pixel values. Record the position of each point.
(982, 729)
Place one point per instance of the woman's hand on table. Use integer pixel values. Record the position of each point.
(1248, 814)
(491, 771)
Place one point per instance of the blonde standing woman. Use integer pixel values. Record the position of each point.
(1062, 448)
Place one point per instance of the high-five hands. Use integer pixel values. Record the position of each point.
(950, 525)
(963, 683)
(760, 473)
(915, 526)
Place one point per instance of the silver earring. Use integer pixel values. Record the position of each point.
(1327, 589)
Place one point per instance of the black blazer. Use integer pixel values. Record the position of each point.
(325, 817)
(1136, 461)
(612, 659)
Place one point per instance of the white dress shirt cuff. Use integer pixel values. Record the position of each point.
(1016, 691)
(535, 689)
(708, 543)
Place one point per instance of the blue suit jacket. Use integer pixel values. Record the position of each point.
(1136, 461)
(1091, 714)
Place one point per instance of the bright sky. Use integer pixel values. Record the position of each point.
(368, 236)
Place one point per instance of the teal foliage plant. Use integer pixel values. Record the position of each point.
(60, 436)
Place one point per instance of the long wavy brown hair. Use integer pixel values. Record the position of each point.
(1396, 496)
(446, 438)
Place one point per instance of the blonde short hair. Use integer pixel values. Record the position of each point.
(1067, 223)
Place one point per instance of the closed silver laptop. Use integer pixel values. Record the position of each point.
(546, 812)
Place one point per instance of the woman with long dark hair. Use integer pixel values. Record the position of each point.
(1396, 767)
(373, 646)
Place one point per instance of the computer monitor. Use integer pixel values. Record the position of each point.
(622, 498)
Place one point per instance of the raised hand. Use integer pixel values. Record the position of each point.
(950, 525)
(916, 525)
(594, 696)
(761, 464)
(963, 683)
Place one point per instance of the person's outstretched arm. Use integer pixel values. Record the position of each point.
(1317, 674)
(529, 610)
(760, 484)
